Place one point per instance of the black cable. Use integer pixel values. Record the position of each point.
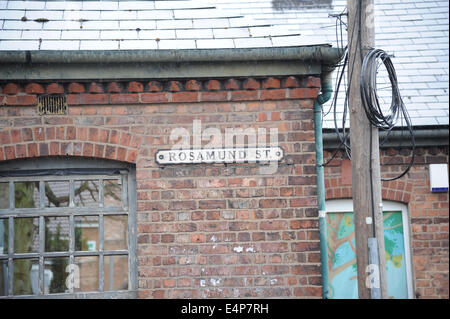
(372, 106)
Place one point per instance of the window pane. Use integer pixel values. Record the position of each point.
(26, 276)
(395, 255)
(4, 195)
(113, 192)
(3, 277)
(86, 193)
(116, 273)
(55, 275)
(342, 257)
(26, 194)
(116, 229)
(57, 194)
(57, 233)
(26, 235)
(3, 236)
(89, 274)
(86, 233)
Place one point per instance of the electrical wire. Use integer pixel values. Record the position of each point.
(371, 103)
(372, 107)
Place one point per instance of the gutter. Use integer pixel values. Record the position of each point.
(327, 89)
(89, 65)
(424, 136)
(320, 53)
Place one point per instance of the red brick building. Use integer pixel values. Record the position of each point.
(193, 230)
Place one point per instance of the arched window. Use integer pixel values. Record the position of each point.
(342, 256)
(67, 228)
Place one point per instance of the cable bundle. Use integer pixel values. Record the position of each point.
(371, 102)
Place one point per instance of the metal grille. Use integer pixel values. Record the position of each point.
(52, 105)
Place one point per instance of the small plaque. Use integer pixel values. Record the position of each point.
(220, 155)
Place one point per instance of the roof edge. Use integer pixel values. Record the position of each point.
(320, 53)
(423, 135)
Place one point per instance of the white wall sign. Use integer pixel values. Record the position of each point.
(220, 155)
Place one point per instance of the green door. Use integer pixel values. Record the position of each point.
(342, 258)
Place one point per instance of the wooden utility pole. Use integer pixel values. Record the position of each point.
(360, 24)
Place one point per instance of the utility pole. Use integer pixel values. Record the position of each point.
(364, 143)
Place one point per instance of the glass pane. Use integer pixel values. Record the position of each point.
(3, 236)
(3, 277)
(113, 192)
(116, 273)
(26, 276)
(26, 235)
(86, 193)
(115, 232)
(26, 194)
(89, 274)
(57, 194)
(342, 258)
(395, 255)
(4, 195)
(86, 233)
(55, 275)
(57, 232)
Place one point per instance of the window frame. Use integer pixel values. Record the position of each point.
(77, 169)
(346, 205)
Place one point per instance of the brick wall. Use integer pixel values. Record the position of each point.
(428, 212)
(203, 230)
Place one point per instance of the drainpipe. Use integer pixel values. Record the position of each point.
(326, 84)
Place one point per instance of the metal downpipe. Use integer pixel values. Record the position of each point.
(326, 83)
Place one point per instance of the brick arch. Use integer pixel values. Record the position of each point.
(84, 141)
(399, 191)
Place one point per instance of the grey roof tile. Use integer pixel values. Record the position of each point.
(138, 45)
(121, 34)
(119, 15)
(61, 25)
(210, 23)
(136, 24)
(10, 35)
(155, 14)
(176, 44)
(79, 35)
(80, 14)
(19, 45)
(252, 42)
(26, 5)
(157, 34)
(231, 33)
(214, 44)
(12, 14)
(69, 5)
(174, 24)
(61, 44)
(43, 14)
(100, 5)
(198, 34)
(41, 34)
(101, 25)
(99, 45)
(415, 32)
(136, 5)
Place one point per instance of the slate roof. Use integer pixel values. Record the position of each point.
(415, 32)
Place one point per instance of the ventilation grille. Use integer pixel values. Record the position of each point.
(52, 105)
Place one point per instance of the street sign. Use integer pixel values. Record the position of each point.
(219, 155)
